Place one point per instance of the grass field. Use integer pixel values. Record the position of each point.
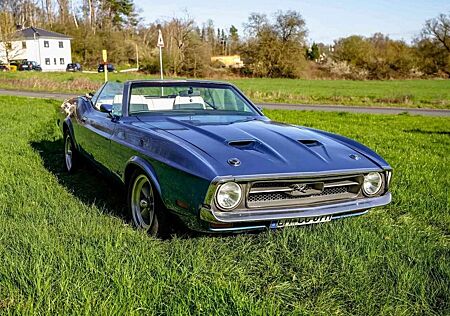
(394, 93)
(65, 249)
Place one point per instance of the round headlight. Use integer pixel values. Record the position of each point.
(229, 195)
(372, 183)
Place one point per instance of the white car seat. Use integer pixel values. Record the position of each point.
(189, 103)
(137, 102)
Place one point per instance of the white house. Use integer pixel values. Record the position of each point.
(50, 49)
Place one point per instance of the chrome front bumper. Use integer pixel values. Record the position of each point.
(337, 210)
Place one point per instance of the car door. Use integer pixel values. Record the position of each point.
(94, 127)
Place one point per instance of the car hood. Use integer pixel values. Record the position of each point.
(260, 145)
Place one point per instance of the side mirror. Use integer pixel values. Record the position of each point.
(106, 108)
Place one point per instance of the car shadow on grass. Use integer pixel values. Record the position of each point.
(90, 186)
(86, 183)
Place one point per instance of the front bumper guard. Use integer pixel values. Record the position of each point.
(334, 209)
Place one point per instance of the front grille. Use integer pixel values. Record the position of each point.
(256, 197)
(302, 192)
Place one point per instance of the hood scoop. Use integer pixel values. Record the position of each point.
(310, 142)
(243, 144)
(316, 148)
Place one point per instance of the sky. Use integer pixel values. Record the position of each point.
(325, 20)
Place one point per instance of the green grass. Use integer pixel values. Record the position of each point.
(393, 93)
(65, 249)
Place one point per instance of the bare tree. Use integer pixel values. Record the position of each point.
(439, 29)
(290, 25)
(255, 24)
(178, 31)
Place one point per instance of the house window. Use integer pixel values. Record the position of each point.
(61, 44)
(47, 61)
(46, 44)
(54, 61)
(8, 45)
(24, 45)
(61, 61)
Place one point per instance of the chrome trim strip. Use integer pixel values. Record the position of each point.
(340, 184)
(270, 190)
(298, 212)
(237, 229)
(261, 227)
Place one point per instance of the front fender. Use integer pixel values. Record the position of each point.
(136, 161)
(363, 150)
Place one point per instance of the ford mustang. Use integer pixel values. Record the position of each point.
(203, 152)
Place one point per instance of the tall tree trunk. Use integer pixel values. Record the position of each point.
(48, 10)
(73, 13)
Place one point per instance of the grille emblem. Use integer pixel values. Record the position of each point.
(305, 189)
(299, 187)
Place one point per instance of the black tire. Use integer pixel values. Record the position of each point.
(70, 154)
(145, 208)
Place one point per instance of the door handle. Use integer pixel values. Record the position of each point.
(84, 119)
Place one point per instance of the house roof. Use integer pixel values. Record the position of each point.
(34, 32)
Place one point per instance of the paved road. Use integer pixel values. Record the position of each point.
(316, 107)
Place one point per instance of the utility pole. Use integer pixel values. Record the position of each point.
(137, 57)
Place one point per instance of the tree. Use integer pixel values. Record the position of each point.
(276, 49)
(433, 47)
(255, 24)
(439, 29)
(376, 57)
(9, 47)
(313, 52)
(233, 40)
(354, 50)
(290, 25)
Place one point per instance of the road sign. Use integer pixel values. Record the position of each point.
(160, 40)
(105, 66)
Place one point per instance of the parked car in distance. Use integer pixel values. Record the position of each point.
(73, 67)
(4, 68)
(110, 67)
(203, 152)
(30, 65)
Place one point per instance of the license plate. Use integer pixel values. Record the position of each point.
(300, 221)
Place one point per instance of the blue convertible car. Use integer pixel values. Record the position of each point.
(202, 151)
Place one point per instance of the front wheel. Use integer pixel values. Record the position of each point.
(144, 205)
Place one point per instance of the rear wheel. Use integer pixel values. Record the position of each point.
(145, 207)
(70, 155)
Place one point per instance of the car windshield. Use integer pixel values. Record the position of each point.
(111, 93)
(192, 97)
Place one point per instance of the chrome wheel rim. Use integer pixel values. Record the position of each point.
(142, 202)
(68, 153)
